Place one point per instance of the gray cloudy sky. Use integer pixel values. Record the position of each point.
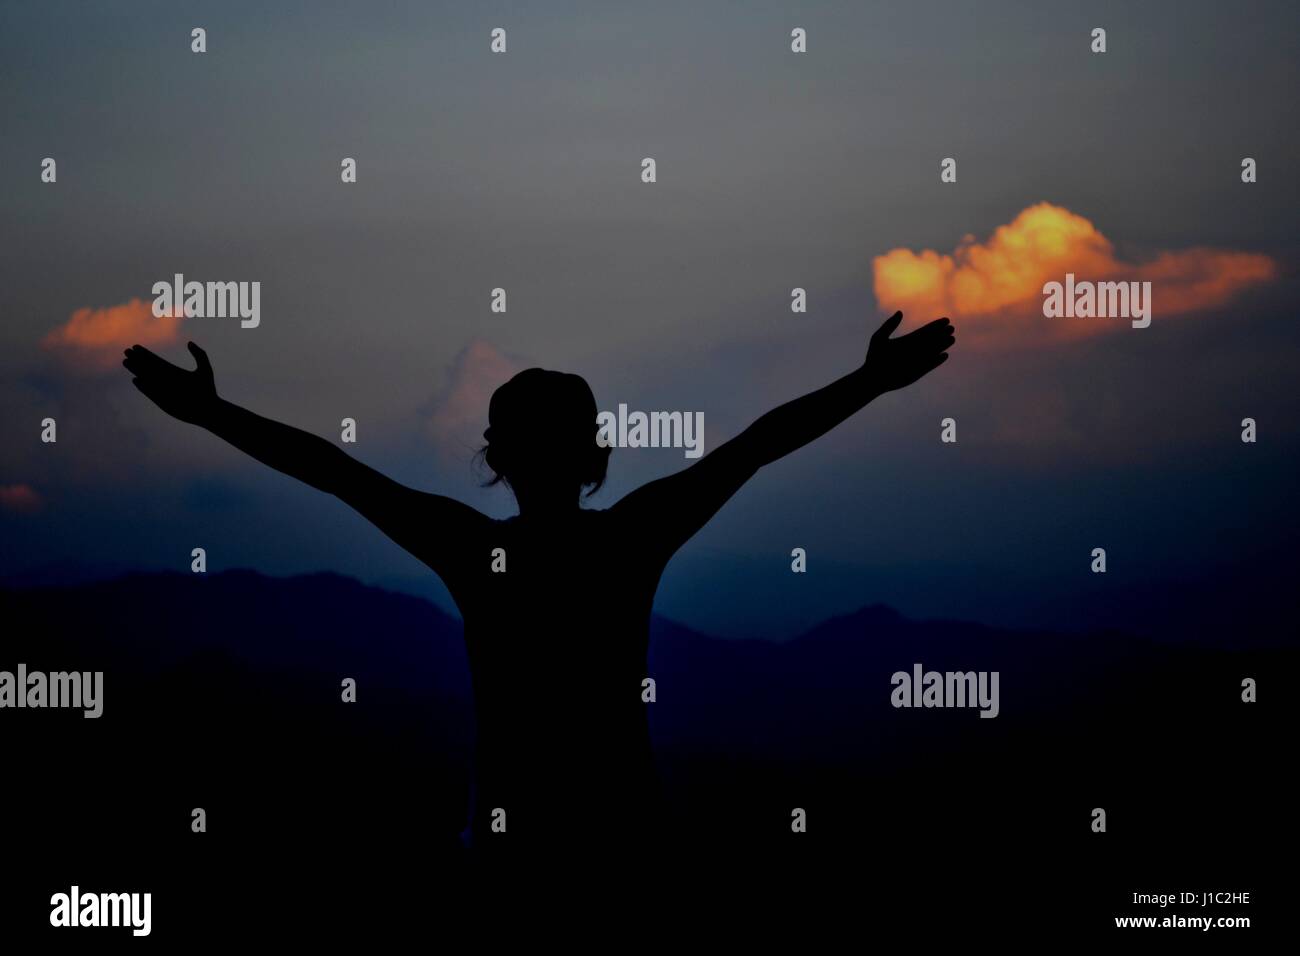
(775, 170)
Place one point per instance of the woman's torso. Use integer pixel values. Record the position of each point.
(557, 621)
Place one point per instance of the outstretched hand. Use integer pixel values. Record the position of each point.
(189, 396)
(897, 363)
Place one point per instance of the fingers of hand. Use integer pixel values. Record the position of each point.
(887, 329)
(938, 335)
(134, 361)
(145, 364)
(932, 331)
(201, 357)
(143, 359)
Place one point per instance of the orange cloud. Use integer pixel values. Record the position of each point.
(22, 498)
(457, 415)
(100, 335)
(996, 287)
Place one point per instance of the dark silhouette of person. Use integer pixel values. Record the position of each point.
(556, 599)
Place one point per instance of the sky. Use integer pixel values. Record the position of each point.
(774, 170)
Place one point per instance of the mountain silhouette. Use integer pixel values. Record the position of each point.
(226, 694)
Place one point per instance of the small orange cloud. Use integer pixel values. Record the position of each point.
(457, 415)
(100, 335)
(21, 498)
(996, 286)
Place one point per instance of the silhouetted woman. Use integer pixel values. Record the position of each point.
(556, 599)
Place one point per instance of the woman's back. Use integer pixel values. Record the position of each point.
(557, 615)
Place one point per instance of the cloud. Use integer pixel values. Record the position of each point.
(98, 336)
(21, 498)
(996, 287)
(457, 415)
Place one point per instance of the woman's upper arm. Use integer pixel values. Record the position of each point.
(666, 512)
(434, 528)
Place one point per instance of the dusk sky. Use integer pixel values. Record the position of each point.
(775, 170)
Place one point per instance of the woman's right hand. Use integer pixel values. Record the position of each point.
(897, 363)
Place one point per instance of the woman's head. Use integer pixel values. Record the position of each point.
(541, 437)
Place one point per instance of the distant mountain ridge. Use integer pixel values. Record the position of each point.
(223, 691)
(824, 694)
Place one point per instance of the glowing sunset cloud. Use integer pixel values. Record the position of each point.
(100, 335)
(22, 498)
(996, 287)
(457, 415)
